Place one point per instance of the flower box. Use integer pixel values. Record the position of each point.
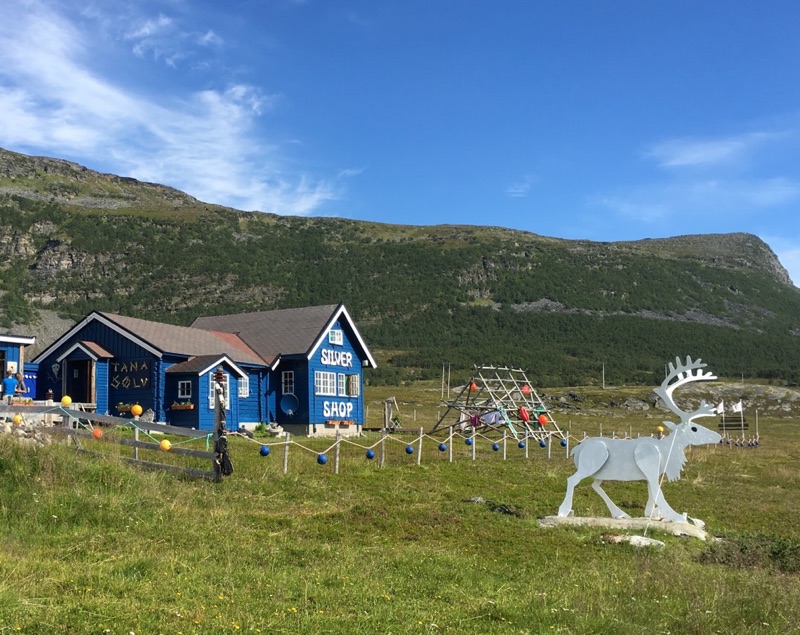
(182, 406)
(123, 408)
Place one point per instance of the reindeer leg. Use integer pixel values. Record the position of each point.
(648, 458)
(666, 512)
(588, 459)
(565, 509)
(616, 512)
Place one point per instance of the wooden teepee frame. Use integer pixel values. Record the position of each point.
(497, 398)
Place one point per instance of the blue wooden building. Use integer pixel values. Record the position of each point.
(12, 357)
(301, 368)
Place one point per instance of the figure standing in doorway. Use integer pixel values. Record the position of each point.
(9, 386)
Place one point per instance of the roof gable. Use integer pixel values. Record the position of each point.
(298, 331)
(160, 339)
(202, 364)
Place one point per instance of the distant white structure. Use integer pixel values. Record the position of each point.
(646, 458)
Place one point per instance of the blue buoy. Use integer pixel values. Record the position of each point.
(468, 441)
(370, 454)
(521, 445)
(542, 443)
(495, 447)
(322, 459)
(409, 449)
(442, 447)
(563, 443)
(264, 451)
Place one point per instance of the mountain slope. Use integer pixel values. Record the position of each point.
(74, 240)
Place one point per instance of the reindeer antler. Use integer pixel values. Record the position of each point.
(679, 375)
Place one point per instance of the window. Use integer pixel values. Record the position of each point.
(342, 385)
(244, 386)
(324, 383)
(287, 382)
(336, 337)
(226, 387)
(354, 385)
(184, 390)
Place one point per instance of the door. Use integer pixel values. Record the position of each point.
(78, 380)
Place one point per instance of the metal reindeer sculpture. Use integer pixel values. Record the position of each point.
(646, 458)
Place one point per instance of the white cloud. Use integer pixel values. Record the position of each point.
(710, 198)
(205, 142)
(520, 188)
(689, 152)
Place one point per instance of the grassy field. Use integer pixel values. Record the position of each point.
(92, 545)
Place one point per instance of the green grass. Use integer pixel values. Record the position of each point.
(92, 545)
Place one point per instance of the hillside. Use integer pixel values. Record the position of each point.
(74, 240)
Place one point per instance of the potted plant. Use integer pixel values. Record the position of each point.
(182, 405)
(124, 407)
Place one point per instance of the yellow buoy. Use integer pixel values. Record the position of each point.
(66, 400)
(17, 419)
(136, 410)
(660, 428)
(165, 445)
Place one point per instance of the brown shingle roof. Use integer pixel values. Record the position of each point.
(185, 340)
(274, 333)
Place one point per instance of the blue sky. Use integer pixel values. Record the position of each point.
(600, 120)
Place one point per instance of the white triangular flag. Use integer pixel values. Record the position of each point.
(721, 408)
(738, 407)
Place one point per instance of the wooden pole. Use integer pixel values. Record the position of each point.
(286, 453)
(472, 447)
(419, 451)
(135, 448)
(505, 444)
(383, 447)
(450, 445)
(336, 454)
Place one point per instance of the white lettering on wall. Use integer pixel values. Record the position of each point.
(336, 358)
(341, 409)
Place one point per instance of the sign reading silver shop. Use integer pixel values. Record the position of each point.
(336, 358)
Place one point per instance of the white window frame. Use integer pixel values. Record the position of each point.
(227, 386)
(287, 382)
(354, 385)
(336, 336)
(342, 384)
(185, 389)
(244, 386)
(324, 383)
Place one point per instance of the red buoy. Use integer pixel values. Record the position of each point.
(526, 390)
(523, 414)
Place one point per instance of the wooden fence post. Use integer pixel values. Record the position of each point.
(419, 452)
(135, 447)
(286, 454)
(472, 446)
(383, 447)
(336, 454)
(450, 444)
(505, 444)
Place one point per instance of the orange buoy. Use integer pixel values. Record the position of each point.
(473, 386)
(136, 410)
(542, 420)
(523, 414)
(526, 390)
(97, 433)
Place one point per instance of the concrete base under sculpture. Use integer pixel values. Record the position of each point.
(636, 524)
